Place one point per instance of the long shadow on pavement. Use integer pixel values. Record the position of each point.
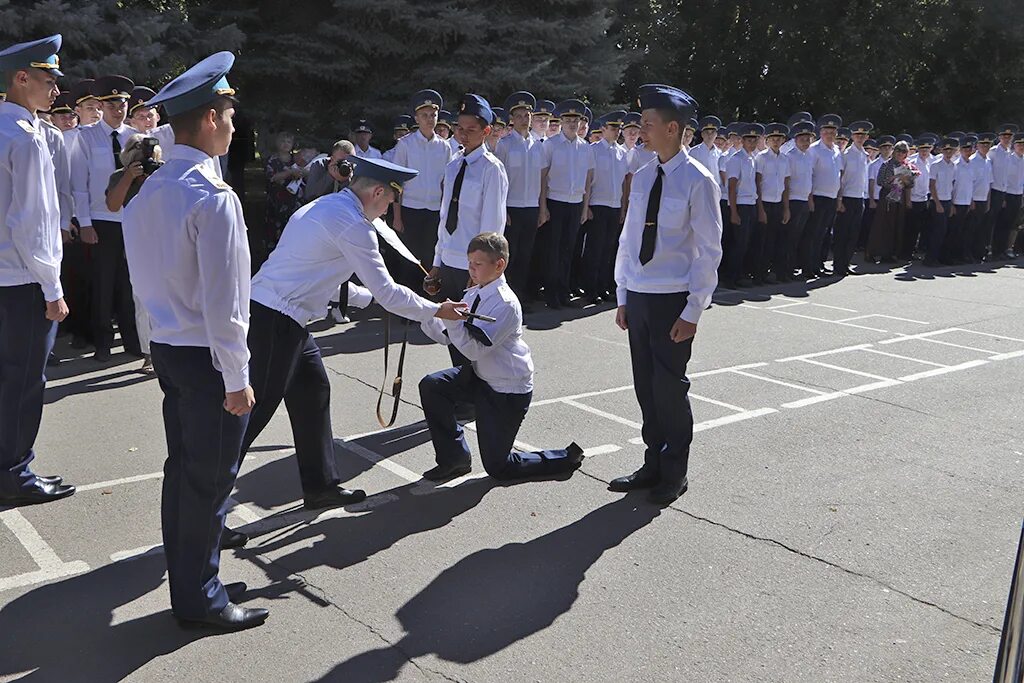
(496, 597)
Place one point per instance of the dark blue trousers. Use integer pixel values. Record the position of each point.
(599, 252)
(454, 282)
(799, 212)
(740, 242)
(26, 339)
(816, 234)
(937, 231)
(846, 232)
(563, 228)
(660, 382)
(204, 443)
(521, 232)
(285, 364)
(498, 417)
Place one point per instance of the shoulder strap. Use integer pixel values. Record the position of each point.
(396, 386)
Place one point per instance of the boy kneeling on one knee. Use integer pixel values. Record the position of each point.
(499, 382)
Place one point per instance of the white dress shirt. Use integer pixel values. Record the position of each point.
(638, 157)
(963, 183)
(506, 365)
(982, 170)
(568, 162)
(873, 168)
(1000, 157)
(91, 167)
(941, 171)
(481, 205)
(611, 166)
(723, 171)
(324, 243)
(688, 247)
(1015, 174)
(371, 152)
(922, 187)
(523, 158)
(30, 220)
(801, 173)
(774, 169)
(827, 167)
(706, 157)
(188, 255)
(741, 167)
(853, 183)
(62, 170)
(429, 157)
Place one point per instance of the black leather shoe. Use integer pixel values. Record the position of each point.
(235, 590)
(101, 356)
(667, 491)
(39, 492)
(53, 479)
(231, 618)
(446, 472)
(231, 539)
(332, 498)
(643, 478)
(575, 453)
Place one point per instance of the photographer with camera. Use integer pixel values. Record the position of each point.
(140, 158)
(330, 173)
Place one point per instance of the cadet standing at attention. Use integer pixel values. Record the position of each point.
(186, 242)
(665, 273)
(31, 298)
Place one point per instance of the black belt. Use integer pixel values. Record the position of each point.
(396, 385)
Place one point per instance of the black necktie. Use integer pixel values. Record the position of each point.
(651, 221)
(116, 146)
(452, 221)
(474, 331)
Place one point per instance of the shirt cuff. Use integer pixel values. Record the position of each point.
(620, 296)
(235, 381)
(52, 292)
(691, 313)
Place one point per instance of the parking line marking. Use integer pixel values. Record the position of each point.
(136, 552)
(601, 450)
(956, 346)
(943, 370)
(835, 308)
(588, 394)
(731, 368)
(608, 416)
(830, 352)
(1006, 356)
(833, 322)
(780, 382)
(915, 360)
(729, 419)
(41, 552)
(988, 334)
(842, 369)
(721, 404)
(43, 575)
(377, 459)
(244, 512)
(119, 482)
(880, 315)
(863, 388)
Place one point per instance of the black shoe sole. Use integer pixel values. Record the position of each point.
(190, 625)
(357, 497)
(451, 474)
(636, 486)
(24, 502)
(665, 500)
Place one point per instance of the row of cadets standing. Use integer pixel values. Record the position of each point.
(801, 203)
(31, 295)
(825, 186)
(853, 190)
(769, 242)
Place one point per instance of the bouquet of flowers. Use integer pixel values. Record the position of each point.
(904, 175)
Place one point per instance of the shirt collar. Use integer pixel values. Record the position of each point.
(475, 154)
(352, 196)
(186, 153)
(18, 112)
(674, 163)
(423, 138)
(490, 289)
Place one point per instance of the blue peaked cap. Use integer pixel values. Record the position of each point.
(203, 83)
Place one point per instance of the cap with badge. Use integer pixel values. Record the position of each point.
(861, 127)
(384, 171)
(950, 143)
(595, 126)
(751, 130)
(403, 123)
(106, 88)
(656, 96)
(1008, 129)
(804, 127)
(776, 130)
(986, 138)
(843, 134)
(923, 142)
(570, 108)
(709, 123)
(968, 141)
(799, 116)
(884, 140)
(830, 121)
(202, 84)
(500, 117)
(139, 97)
(545, 107)
(427, 98)
(612, 118)
(871, 144)
(733, 129)
(64, 104)
(362, 126)
(1018, 138)
(82, 91)
(520, 100)
(445, 118)
(35, 54)
(691, 125)
(631, 120)
(474, 105)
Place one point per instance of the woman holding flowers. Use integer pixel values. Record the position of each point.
(895, 178)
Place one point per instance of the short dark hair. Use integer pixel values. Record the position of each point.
(188, 122)
(667, 114)
(490, 243)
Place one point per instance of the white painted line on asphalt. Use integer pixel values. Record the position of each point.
(243, 512)
(942, 371)
(601, 450)
(863, 388)
(714, 402)
(729, 419)
(880, 315)
(608, 416)
(896, 355)
(840, 368)
(946, 343)
(841, 349)
(780, 382)
(839, 394)
(380, 460)
(731, 368)
(119, 482)
(835, 308)
(41, 552)
(775, 308)
(833, 322)
(588, 394)
(521, 445)
(988, 334)
(43, 575)
(137, 552)
(1007, 356)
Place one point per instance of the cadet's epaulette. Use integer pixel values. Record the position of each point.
(26, 126)
(213, 178)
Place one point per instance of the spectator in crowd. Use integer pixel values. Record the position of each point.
(279, 171)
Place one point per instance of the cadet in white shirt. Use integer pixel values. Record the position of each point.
(666, 272)
(941, 190)
(1005, 213)
(875, 161)
(957, 235)
(416, 217)
(564, 196)
(706, 153)
(522, 154)
(498, 382)
(400, 129)
(853, 191)
(981, 224)
(325, 242)
(801, 169)
(541, 116)
(919, 216)
(95, 156)
(186, 242)
(31, 297)
(742, 177)
(1002, 245)
(473, 201)
(362, 133)
(772, 176)
(638, 154)
(827, 170)
(608, 198)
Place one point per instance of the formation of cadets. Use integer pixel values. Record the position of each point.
(491, 206)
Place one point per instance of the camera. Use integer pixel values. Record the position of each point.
(150, 165)
(343, 167)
